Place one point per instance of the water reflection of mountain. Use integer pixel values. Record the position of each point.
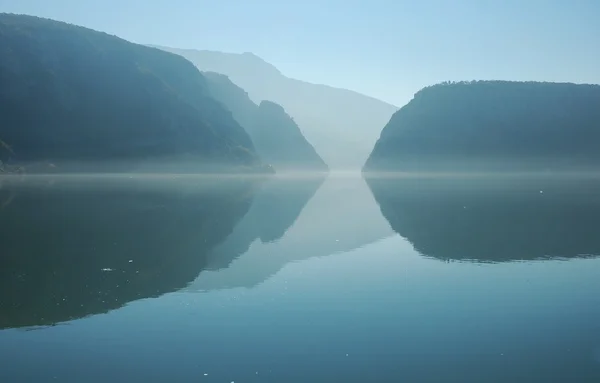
(276, 206)
(494, 219)
(71, 249)
(340, 217)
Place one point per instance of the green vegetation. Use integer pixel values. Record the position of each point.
(71, 93)
(484, 125)
(277, 138)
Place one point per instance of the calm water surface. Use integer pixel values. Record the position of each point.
(188, 279)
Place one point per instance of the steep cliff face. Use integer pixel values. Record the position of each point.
(487, 125)
(341, 124)
(71, 93)
(277, 138)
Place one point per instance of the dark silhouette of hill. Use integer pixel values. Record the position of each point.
(493, 125)
(70, 93)
(494, 219)
(275, 208)
(78, 247)
(276, 137)
(342, 125)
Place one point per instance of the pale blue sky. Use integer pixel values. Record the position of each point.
(384, 48)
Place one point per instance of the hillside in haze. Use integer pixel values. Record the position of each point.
(276, 137)
(68, 93)
(342, 125)
(493, 125)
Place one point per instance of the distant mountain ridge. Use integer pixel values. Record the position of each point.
(493, 125)
(68, 93)
(342, 125)
(276, 137)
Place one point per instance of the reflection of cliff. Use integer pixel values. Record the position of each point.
(494, 219)
(341, 216)
(275, 208)
(70, 250)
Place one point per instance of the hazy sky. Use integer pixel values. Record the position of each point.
(388, 49)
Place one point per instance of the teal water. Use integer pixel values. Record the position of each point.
(187, 279)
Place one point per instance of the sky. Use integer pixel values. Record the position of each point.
(388, 49)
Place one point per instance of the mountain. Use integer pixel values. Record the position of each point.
(276, 137)
(68, 93)
(491, 125)
(342, 125)
(496, 218)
